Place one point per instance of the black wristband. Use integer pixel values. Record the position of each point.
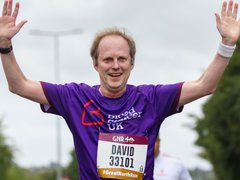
(6, 50)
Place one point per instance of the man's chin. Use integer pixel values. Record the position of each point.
(116, 88)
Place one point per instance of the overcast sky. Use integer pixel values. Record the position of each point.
(176, 40)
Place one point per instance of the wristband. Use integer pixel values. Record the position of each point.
(5, 50)
(225, 50)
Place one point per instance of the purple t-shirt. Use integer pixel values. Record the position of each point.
(139, 111)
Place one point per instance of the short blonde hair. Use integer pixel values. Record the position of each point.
(108, 32)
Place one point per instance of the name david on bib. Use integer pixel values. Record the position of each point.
(121, 156)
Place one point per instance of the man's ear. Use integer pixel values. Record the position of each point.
(132, 66)
(95, 65)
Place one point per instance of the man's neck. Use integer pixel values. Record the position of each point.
(111, 94)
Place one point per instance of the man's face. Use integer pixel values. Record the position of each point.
(113, 64)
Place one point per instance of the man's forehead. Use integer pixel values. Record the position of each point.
(113, 42)
(111, 39)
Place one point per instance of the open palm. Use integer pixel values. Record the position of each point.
(228, 25)
(8, 27)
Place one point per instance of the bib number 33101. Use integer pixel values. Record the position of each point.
(121, 156)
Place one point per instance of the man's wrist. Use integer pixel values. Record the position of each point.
(226, 51)
(5, 43)
(6, 50)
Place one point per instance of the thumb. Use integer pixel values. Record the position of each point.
(218, 19)
(20, 25)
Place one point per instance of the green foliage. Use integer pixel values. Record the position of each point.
(72, 169)
(15, 172)
(45, 175)
(219, 129)
(6, 155)
(11, 171)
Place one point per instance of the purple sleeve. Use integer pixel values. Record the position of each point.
(168, 96)
(165, 98)
(177, 88)
(55, 95)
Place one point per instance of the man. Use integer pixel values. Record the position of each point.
(167, 167)
(114, 125)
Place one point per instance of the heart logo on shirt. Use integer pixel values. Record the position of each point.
(94, 120)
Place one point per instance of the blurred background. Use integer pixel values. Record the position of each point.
(176, 40)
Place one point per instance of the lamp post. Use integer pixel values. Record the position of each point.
(56, 35)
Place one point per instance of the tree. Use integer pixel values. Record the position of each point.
(72, 169)
(219, 128)
(9, 170)
(6, 155)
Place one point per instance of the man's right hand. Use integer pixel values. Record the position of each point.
(8, 27)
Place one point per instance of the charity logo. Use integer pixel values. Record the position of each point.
(92, 116)
(96, 116)
(116, 122)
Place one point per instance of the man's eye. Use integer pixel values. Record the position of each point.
(122, 59)
(107, 60)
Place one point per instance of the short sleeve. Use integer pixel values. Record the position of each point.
(164, 98)
(56, 96)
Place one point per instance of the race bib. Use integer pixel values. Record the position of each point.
(121, 156)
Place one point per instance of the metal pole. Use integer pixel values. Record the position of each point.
(56, 35)
(58, 124)
(56, 58)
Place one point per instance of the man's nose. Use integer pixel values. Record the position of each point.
(115, 64)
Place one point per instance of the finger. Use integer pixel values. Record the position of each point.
(230, 7)
(20, 25)
(9, 8)
(16, 9)
(4, 10)
(235, 11)
(218, 20)
(224, 8)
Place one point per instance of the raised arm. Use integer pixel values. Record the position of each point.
(17, 82)
(229, 29)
